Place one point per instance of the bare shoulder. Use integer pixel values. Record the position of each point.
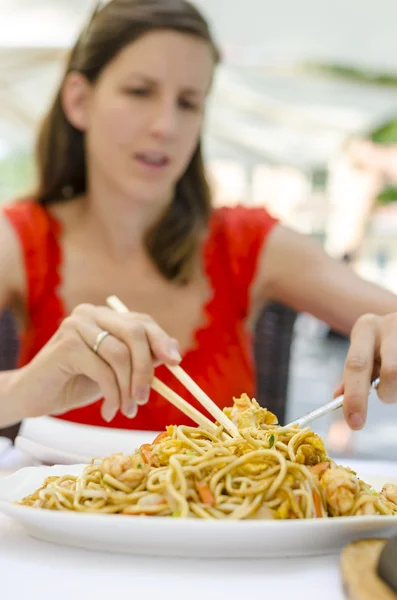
(266, 273)
(12, 280)
(284, 242)
(285, 256)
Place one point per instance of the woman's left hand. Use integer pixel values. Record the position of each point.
(372, 353)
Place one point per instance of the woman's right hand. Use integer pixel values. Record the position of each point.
(67, 373)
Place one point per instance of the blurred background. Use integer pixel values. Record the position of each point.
(302, 120)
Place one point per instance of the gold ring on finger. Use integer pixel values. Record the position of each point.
(99, 339)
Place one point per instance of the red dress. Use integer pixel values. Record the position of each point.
(220, 360)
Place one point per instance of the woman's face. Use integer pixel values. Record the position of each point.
(144, 114)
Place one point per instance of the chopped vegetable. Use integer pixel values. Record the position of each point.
(317, 504)
(160, 437)
(205, 493)
(146, 452)
(320, 468)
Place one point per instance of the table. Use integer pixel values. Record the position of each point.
(39, 571)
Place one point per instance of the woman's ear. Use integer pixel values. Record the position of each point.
(75, 96)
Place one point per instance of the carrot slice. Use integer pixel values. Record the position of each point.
(317, 504)
(320, 468)
(160, 437)
(146, 453)
(205, 493)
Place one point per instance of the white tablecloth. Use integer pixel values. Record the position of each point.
(30, 569)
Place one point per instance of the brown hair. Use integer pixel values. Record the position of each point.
(174, 241)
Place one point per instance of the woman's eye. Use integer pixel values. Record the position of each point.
(142, 92)
(188, 105)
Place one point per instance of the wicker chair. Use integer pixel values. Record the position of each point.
(272, 344)
(8, 357)
(274, 332)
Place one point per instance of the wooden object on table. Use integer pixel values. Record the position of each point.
(388, 562)
(359, 568)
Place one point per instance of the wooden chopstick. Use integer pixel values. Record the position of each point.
(116, 304)
(184, 406)
(204, 400)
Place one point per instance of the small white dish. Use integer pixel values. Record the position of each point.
(53, 441)
(49, 456)
(5, 444)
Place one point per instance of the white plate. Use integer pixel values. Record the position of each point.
(52, 440)
(162, 536)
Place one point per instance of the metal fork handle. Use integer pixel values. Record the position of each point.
(326, 408)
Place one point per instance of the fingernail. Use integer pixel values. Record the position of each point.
(356, 420)
(338, 391)
(108, 413)
(132, 410)
(142, 394)
(173, 351)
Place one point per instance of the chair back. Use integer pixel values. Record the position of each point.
(272, 351)
(9, 346)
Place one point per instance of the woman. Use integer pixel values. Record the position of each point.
(123, 208)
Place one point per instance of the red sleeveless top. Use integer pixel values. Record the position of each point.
(220, 360)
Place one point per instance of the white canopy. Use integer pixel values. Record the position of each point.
(263, 108)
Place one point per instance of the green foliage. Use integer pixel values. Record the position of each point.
(385, 133)
(352, 73)
(387, 195)
(17, 175)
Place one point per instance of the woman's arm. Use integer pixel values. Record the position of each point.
(70, 371)
(16, 402)
(294, 270)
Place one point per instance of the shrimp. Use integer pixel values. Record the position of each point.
(150, 504)
(340, 488)
(151, 500)
(129, 469)
(389, 494)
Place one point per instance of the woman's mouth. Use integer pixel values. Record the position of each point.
(153, 160)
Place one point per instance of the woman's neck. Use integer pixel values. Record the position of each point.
(117, 227)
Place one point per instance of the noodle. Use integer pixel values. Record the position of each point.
(268, 472)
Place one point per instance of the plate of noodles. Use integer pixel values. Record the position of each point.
(270, 492)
